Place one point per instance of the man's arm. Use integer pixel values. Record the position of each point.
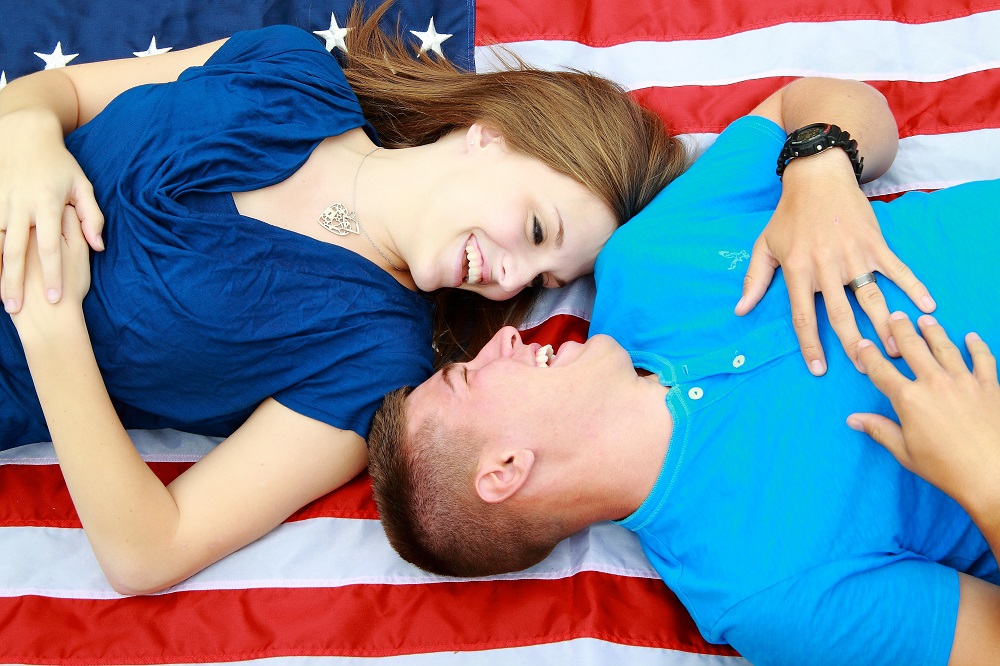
(977, 631)
(824, 233)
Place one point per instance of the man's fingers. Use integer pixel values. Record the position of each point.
(841, 315)
(894, 269)
(883, 430)
(804, 321)
(760, 272)
(984, 363)
(872, 301)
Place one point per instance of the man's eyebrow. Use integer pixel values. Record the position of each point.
(445, 371)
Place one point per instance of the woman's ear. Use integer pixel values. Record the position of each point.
(498, 478)
(479, 136)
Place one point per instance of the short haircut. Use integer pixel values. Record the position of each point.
(429, 509)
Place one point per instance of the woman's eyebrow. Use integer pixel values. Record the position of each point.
(559, 236)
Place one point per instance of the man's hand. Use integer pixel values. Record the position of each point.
(949, 431)
(824, 234)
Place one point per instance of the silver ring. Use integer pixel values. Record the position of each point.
(860, 281)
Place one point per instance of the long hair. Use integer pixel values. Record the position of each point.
(579, 124)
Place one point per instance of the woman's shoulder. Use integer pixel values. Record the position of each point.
(269, 42)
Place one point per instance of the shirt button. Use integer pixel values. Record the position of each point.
(739, 361)
(695, 393)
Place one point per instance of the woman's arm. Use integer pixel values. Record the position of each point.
(824, 233)
(147, 536)
(949, 417)
(38, 176)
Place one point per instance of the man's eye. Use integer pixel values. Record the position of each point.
(536, 231)
(538, 282)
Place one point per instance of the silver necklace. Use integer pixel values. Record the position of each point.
(341, 220)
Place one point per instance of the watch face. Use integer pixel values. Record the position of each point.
(811, 132)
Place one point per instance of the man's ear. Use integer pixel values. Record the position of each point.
(499, 477)
(479, 136)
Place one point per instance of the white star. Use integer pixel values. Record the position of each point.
(431, 40)
(152, 50)
(334, 36)
(56, 59)
(3, 80)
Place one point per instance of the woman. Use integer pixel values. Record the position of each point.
(228, 302)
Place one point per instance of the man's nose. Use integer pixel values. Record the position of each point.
(504, 344)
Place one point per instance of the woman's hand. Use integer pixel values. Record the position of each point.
(949, 418)
(38, 178)
(824, 234)
(38, 315)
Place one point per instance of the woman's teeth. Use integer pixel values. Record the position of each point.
(543, 356)
(475, 260)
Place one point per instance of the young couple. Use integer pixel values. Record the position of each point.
(750, 481)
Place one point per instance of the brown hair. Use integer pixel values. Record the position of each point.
(428, 507)
(579, 124)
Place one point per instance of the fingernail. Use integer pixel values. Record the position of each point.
(973, 336)
(100, 243)
(890, 344)
(855, 424)
(817, 367)
(52, 295)
(927, 320)
(898, 316)
(739, 304)
(927, 303)
(10, 305)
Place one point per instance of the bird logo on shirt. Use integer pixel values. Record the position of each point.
(737, 257)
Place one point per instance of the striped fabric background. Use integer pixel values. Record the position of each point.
(325, 588)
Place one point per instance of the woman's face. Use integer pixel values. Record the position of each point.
(504, 221)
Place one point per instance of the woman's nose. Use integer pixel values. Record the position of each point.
(515, 275)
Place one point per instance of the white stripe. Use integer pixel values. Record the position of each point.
(154, 446)
(866, 50)
(579, 652)
(320, 552)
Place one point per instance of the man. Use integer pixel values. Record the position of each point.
(784, 532)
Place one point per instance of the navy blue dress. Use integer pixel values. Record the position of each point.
(196, 313)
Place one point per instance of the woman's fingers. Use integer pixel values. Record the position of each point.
(984, 363)
(88, 213)
(883, 430)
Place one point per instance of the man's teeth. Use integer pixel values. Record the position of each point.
(543, 356)
(475, 260)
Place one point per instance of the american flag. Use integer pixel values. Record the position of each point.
(325, 587)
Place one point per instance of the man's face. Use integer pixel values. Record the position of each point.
(512, 392)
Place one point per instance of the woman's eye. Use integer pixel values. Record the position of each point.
(536, 232)
(538, 282)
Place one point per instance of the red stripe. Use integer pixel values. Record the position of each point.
(36, 496)
(960, 104)
(609, 23)
(557, 329)
(358, 620)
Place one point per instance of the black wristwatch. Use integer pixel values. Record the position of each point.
(814, 139)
